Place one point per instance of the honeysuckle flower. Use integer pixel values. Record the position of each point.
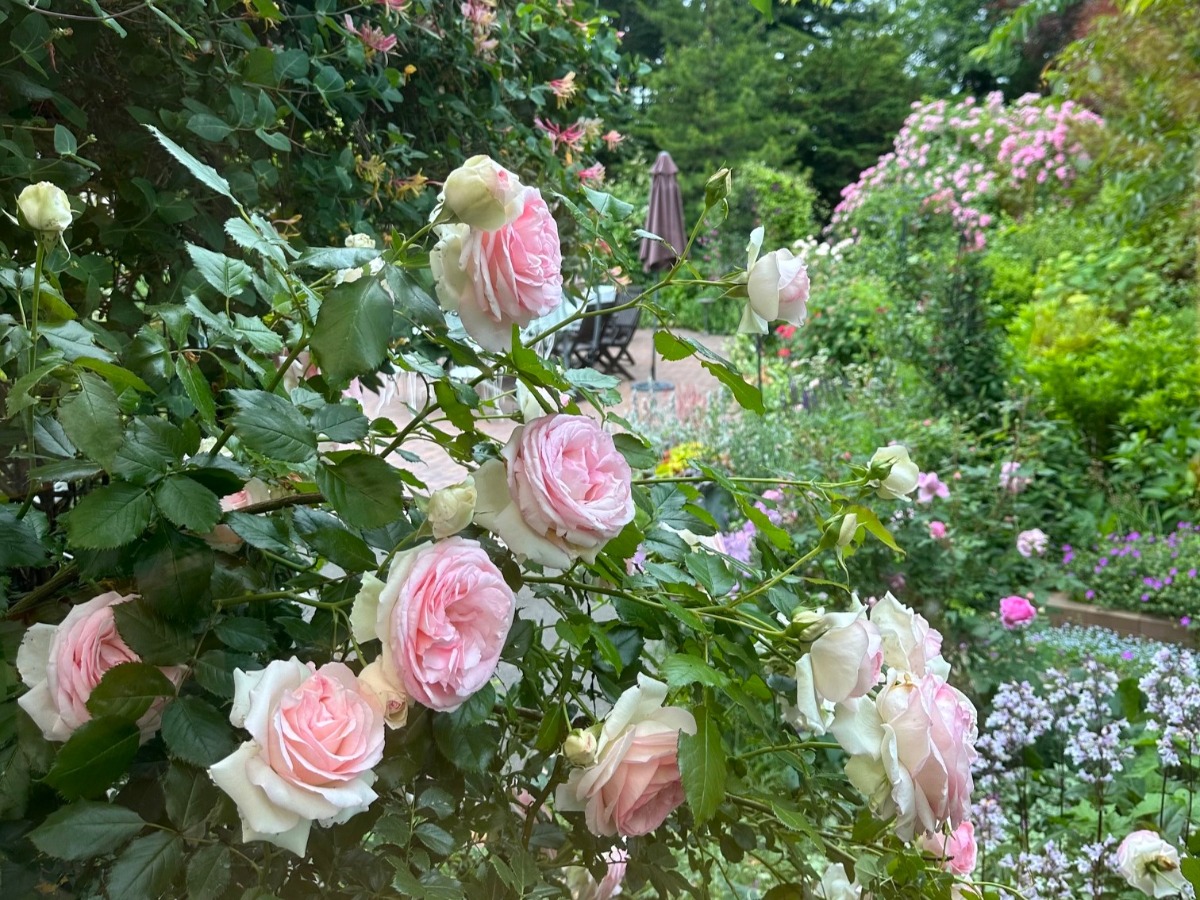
(612, 138)
(592, 174)
(373, 39)
(564, 88)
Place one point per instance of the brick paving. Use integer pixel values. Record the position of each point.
(690, 385)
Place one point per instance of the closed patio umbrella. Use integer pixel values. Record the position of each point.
(665, 219)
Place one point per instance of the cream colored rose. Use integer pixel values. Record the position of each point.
(483, 194)
(46, 208)
(390, 693)
(836, 884)
(451, 509)
(777, 286)
(580, 747)
(902, 478)
(360, 242)
(1151, 865)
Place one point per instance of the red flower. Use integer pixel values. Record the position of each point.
(786, 331)
(785, 352)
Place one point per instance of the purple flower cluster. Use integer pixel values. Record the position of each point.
(1146, 572)
(1018, 718)
(1172, 689)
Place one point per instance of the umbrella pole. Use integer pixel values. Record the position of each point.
(653, 385)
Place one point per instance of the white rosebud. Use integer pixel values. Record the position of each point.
(388, 691)
(848, 530)
(580, 747)
(483, 194)
(902, 478)
(46, 208)
(809, 624)
(451, 509)
(360, 242)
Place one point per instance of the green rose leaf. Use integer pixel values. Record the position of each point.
(196, 732)
(188, 503)
(229, 276)
(353, 329)
(364, 489)
(96, 755)
(127, 691)
(110, 516)
(195, 385)
(339, 422)
(19, 543)
(702, 766)
(173, 572)
(82, 830)
(91, 418)
(269, 425)
(208, 873)
(747, 395)
(147, 866)
(151, 637)
(190, 797)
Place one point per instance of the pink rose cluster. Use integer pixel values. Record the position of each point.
(1032, 542)
(1016, 612)
(561, 493)
(877, 680)
(633, 782)
(499, 264)
(62, 664)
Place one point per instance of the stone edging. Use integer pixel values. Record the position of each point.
(1064, 610)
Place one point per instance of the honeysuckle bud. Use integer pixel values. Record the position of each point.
(580, 747)
(452, 508)
(483, 194)
(45, 208)
(902, 476)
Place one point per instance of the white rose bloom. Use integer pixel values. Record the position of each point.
(909, 643)
(360, 242)
(1151, 865)
(46, 208)
(836, 884)
(902, 479)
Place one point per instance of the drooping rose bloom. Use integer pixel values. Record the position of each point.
(566, 492)
(911, 749)
(777, 285)
(63, 663)
(909, 643)
(1151, 865)
(583, 886)
(956, 851)
(842, 664)
(1016, 611)
(497, 279)
(315, 737)
(442, 618)
(634, 784)
(901, 479)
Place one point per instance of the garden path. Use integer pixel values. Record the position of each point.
(691, 386)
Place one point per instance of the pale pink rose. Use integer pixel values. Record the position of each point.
(836, 884)
(777, 285)
(583, 886)
(937, 530)
(483, 194)
(497, 279)
(1151, 865)
(253, 491)
(909, 643)
(842, 664)
(442, 618)
(634, 784)
(1032, 542)
(63, 663)
(1016, 611)
(315, 737)
(956, 851)
(911, 750)
(567, 491)
(930, 486)
(1011, 481)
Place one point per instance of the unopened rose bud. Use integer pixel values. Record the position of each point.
(452, 508)
(848, 530)
(580, 747)
(808, 624)
(481, 193)
(46, 208)
(388, 691)
(902, 475)
(360, 242)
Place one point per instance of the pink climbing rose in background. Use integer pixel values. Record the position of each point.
(1032, 542)
(1016, 611)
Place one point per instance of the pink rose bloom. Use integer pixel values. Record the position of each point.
(634, 784)
(315, 736)
(911, 750)
(937, 530)
(497, 279)
(583, 886)
(1016, 611)
(566, 493)
(909, 643)
(842, 664)
(955, 851)
(1031, 542)
(777, 285)
(63, 663)
(930, 486)
(442, 618)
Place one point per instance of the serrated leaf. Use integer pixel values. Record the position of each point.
(91, 419)
(637, 453)
(329, 258)
(747, 395)
(325, 534)
(682, 669)
(258, 236)
(341, 423)
(214, 671)
(208, 873)
(147, 867)
(110, 516)
(436, 838)
(128, 690)
(97, 754)
(353, 328)
(195, 732)
(672, 348)
(364, 489)
(252, 330)
(173, 572)
(151, 637)
(195, 385)
(269, 425)
(245, 634)
(206, 174)
(702, 766)
(227, 275)
(83, 830)
(266, 532)
(19, 543)
(188, 503)
(189, 796)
